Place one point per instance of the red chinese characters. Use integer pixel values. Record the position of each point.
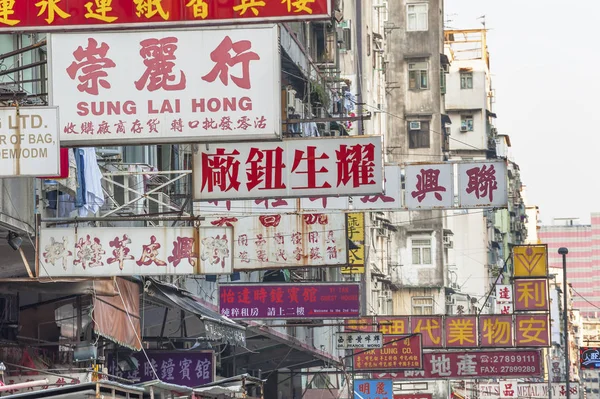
(482, 182)
(265, 169)
(427, 182)
(159, 57)
(121, 251)
(183, 249)
(290, 169)
(355, 163)
(89, 67)
(220, 170)
(64, 14)
(311, 171)
(224, 60)
(150, 254)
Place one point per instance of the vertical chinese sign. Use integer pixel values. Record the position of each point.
(355, 228)
(156, 87)
(48, 15)
(531, 297)
(373, 389)
(504, 298)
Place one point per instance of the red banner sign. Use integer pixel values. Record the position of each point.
(485, 331)
(45, 15)
(479, 364)
(531, 294)
(398, 353)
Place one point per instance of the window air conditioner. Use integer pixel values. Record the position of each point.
(463, 129)
(414, 125)
(291, 98)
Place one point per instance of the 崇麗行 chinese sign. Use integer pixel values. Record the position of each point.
(156, 86)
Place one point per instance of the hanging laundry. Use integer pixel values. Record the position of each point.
(92, 176)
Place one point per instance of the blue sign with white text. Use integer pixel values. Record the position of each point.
(373, 389)
(589, 358)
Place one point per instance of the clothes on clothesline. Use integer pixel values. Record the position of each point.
(80, 194)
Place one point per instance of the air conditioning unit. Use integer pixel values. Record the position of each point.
(299, 107)
(415, 125)
(155, 208)
(291, 98)
(463, 129)
(448, 241)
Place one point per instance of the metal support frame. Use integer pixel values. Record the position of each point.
(143, 195)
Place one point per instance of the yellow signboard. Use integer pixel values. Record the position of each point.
(355, 227)
(530, 260)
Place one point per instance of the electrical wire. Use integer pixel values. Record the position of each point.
(584, 298)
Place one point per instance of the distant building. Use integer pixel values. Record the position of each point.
(583, 242)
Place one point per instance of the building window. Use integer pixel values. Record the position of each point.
(416, 17)
(466, 123)
(417, 76)
(418, 134)
(443, 81)
(422, 305)
(421, 251)
(466, 80)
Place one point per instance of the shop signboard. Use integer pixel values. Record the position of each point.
(289, 301)
(92, 15)
(397, 353)
(473, 364)
(153, 86)
(112, 251)
(29, 141)
(185, 368)
(292, 168)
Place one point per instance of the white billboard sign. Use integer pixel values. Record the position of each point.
(482, 184)
(279, 241)
(429, 186)
(359, 340)
(525, 390)
(291, 168)
(114, 251)
(29, 141)
(391, 200)
(153, 86)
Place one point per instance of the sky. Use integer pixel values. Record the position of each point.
(543, 59)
